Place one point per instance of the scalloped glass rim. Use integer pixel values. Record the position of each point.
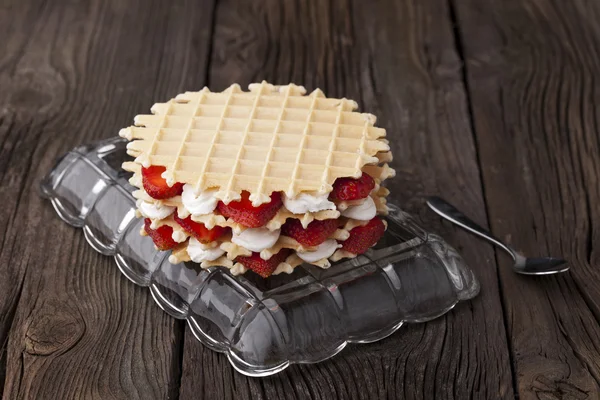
(263, 325)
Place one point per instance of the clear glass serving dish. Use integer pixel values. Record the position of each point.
(263, 325)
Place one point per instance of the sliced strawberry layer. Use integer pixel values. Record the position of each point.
(262, 267)
(364, 237)
(347, 189)
(199, 231)
(244, 213)
(315, 233)
(161, 236)
(156, 186)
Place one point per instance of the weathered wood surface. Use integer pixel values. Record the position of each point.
(488, 103)
(70, 325)
(531, 68)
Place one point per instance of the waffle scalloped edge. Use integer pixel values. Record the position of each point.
(212, 220)
(179, 254)
(256, 141)
(232, 250)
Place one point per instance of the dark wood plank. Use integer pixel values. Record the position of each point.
(70, 325)
(532, 69)
(398, 59)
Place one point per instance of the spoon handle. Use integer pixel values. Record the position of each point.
(452, 214)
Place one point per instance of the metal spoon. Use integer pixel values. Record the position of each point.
(523, 265)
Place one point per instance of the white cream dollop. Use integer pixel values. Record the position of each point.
(199, 252)
(324, 250)
(306, 202)
(362, 212)
(256, 239)
(201, 204)
(155, 211)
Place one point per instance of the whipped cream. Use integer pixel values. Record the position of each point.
(201, 204)
(199, 252)
(256, 239)
(362, 212)
(324, 250)
(306, 202)
(155, 211)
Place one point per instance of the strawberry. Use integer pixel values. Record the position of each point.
(162, 236)
(315, 233)
(345, 189)
(363, 237)
(198, 230)
(244, 213)
(156, 186)
(262, 267)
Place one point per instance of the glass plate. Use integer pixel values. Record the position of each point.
(263, 325)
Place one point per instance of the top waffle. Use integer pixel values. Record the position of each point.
(271, 139)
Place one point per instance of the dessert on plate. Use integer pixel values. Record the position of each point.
(261, 180)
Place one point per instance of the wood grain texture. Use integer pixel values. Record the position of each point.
(398, 60)
(70, 325)
(532, 72)
(510, 136)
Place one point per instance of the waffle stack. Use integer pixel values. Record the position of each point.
(261, 180)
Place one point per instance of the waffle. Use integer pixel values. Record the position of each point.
(270, 139)
(291, 262)
(212, 220)
(285, 267)
(232, 250)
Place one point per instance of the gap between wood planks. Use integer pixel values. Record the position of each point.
(531, 67)
(460, 51)
(67, 77)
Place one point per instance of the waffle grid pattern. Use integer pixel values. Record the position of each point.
(272, 138)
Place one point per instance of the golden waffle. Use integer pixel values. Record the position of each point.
(291, 262)
(285, 267)
(341, 254)
(232, 250)
(271, 139)
(212, 220)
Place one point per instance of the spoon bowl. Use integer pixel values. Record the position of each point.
(540, 266)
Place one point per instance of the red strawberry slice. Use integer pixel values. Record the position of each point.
(244, 213)
(364, 237)
(199, 231)
(346, 189)
(156, 186)
(161, 236)
(262, 267)
(315, 233)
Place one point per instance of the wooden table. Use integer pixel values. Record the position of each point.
(491, 104)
